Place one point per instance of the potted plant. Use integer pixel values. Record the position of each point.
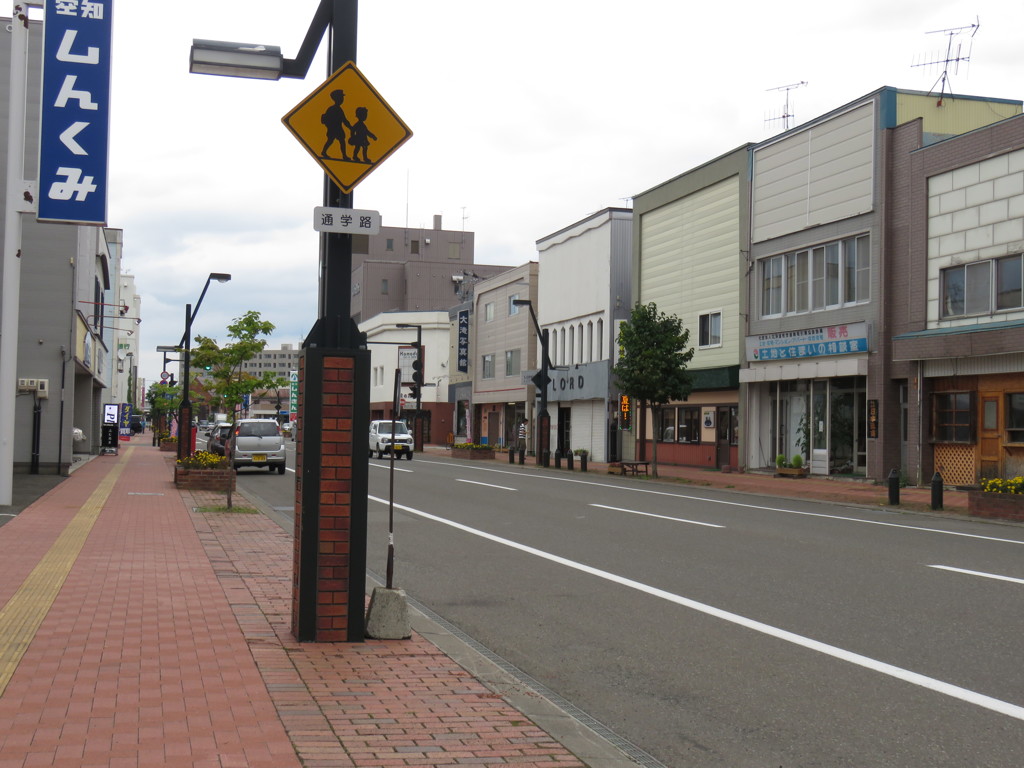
(792, 468)
(168, 443)
(472, 451)
(998, 497)
(204, 471)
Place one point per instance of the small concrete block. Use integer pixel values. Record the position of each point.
(388, 615)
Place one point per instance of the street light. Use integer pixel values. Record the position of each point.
(540, 381)
(185, 408)
(334, 340)
(417, 384)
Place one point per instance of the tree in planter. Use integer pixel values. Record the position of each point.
(652, 364)
(229, 384)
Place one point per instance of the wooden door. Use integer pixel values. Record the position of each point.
(990, 420)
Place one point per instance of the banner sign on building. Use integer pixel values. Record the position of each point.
(293, 395)
(463, 364)
(810, 342)
(625, 413)
(124, 423)
(75, 113)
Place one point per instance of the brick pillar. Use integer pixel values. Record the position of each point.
(330, 496)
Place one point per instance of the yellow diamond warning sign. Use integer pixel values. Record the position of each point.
(347, 127)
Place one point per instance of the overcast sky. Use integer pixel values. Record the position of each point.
(527, 117)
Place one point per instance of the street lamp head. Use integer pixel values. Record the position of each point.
(216, 57)
(220, 277)
(167, 349)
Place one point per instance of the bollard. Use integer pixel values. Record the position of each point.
(511, 456)
(583, 462)
(936, 491)
(894, 488)
(522, 456)
(568, 461)
(558, 459)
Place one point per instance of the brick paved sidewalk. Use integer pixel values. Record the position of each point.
(164, 641)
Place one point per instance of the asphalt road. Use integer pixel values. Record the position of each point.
(716, 629)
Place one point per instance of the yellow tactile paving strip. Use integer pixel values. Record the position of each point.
(27, 608)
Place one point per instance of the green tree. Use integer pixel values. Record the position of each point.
(163, 401)
(654, 352)
(227, 382)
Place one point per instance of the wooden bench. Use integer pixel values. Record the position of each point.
(633, 467)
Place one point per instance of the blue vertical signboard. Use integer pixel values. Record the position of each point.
(75, 117)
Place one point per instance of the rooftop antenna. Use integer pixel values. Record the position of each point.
(786, 114)
(954, 55)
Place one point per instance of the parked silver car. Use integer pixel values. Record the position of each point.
(258, 443)
(382, 441)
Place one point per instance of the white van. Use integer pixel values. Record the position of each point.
(257, 443)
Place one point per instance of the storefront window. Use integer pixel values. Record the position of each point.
(1015, 418)
(953, 417)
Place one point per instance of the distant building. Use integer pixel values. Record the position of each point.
(279, 361)
(412, 270)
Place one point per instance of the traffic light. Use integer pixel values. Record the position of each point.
(414, 392)
(417, 368)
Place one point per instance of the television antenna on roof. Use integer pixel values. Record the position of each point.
(786, 114)
(954, 55)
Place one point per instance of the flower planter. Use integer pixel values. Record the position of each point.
(790, 472)
(168, 446)
(220, 479)
(472, 453)
(1005, 506)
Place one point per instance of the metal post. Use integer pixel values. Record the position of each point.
(185, 408)
(894, 488)
(937, 491)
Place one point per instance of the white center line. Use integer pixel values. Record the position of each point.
(914, 678)
(978, 573)
(487, 485)
(651, 514)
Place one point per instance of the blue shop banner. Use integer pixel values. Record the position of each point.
(810, 342)
(75, 115)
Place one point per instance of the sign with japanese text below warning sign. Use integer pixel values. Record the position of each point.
(347, 127)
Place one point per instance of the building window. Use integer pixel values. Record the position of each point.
(600, 339)
(384, 287)
(389, 244)
(710, 334)
(562, 346)
(489, 312)
(513, 308)
(414, 246)
(680, 425)
(512, 362)
(982, 287)
(572, 345)
(1015, 418)
(579, 341)
(824, 277)
(590, 342)
(953, 417)
(488, 367)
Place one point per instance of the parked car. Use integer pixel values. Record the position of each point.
(218, 438)
(258, 443)
(382, 441)
(136, 424)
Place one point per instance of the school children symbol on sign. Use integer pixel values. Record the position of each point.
(347, 127)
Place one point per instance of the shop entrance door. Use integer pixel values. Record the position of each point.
(564, 430)
(819, 427)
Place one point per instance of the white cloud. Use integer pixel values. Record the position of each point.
(526, 117)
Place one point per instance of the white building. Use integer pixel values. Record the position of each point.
(583, 291)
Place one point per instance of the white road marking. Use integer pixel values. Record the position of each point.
(914, 678)
(978, 573)
(487, 485)
(387, 466)
(651, 514)
(918, 528)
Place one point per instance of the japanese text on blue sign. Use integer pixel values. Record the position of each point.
(75, 116)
